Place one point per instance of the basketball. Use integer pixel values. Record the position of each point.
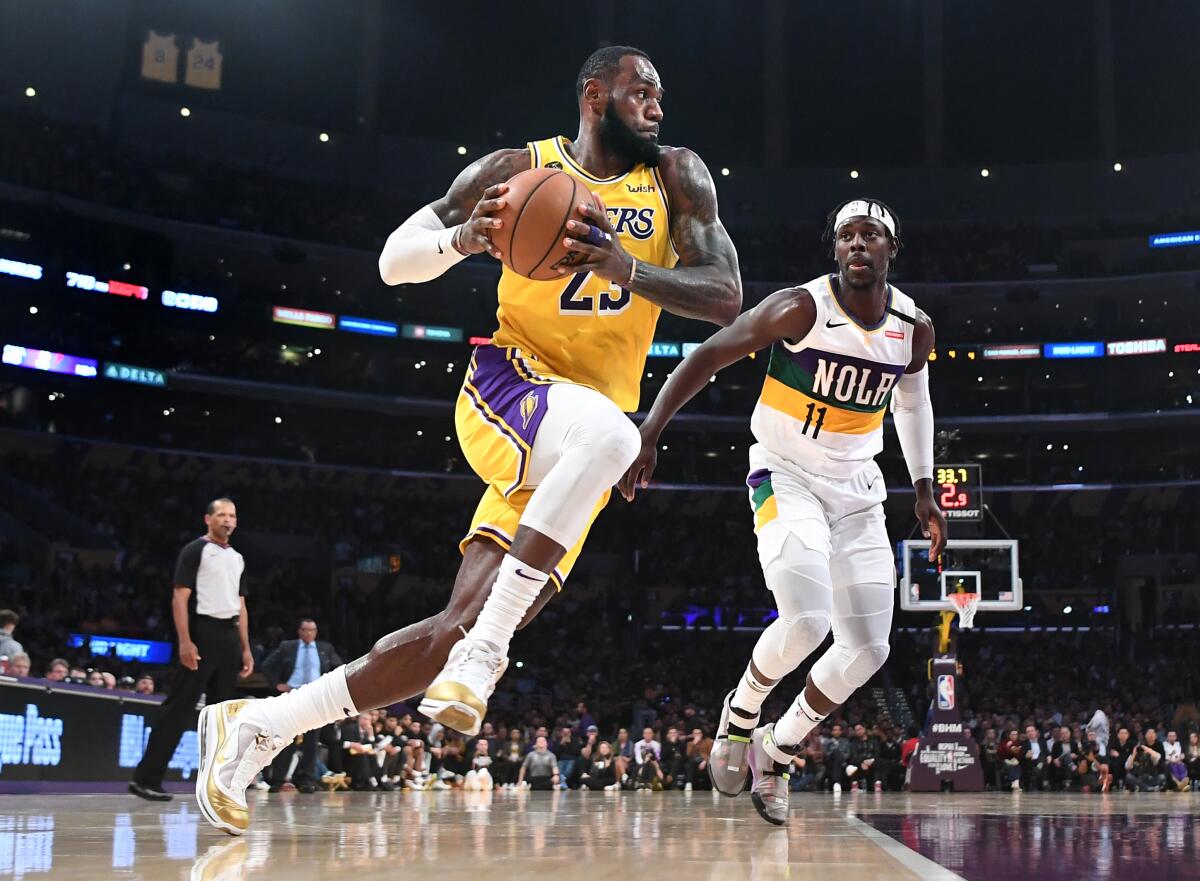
(539, 202)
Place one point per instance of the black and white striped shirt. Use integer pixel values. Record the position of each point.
(214, 573)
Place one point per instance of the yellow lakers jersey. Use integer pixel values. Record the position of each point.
(583, 328)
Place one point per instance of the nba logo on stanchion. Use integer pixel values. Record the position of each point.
(945, 692)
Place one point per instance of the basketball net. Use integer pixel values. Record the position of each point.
(965, 604)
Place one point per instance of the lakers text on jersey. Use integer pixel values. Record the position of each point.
(588, 329)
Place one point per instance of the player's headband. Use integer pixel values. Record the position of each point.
(863, 208)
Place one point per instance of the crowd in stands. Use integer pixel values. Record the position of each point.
(86, 162)
(382, 549)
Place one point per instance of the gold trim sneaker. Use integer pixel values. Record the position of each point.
(234, 747)
(458, 696)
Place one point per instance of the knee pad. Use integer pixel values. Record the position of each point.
(843, 669)
(787, 642)
(865, 663)
(618, 444)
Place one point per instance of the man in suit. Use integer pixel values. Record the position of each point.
(294, 663)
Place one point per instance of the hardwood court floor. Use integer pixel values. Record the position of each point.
(572, 835)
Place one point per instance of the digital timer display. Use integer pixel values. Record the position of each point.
(958, 489)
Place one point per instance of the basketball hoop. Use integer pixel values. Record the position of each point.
(966, 605)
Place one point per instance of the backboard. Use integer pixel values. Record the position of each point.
(989, 567)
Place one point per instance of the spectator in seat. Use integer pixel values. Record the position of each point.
(1063, 760)
(808, 769)
(674, 759)
(624, 746)
(912, 741)
(479, 777)
(1033, 760)
(1118, 756)
(601, 771)
(18, 665)
(507, 763)
(1008, 761)
(8, 623)
(837, 756)
(989, 761)
(891, 747)
(144, 684)
(864, 754)
(1176, 767)
(539, 770)
(1192, 756)
(699, 748)
(1144, 767)
(566, 752)
(57, 670)
(95, 678)
(358, 744)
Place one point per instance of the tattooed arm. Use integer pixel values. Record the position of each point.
(706, 283)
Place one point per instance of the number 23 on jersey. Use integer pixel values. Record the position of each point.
(586, 294)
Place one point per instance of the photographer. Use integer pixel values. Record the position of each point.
(1144, 767)
(649, 771)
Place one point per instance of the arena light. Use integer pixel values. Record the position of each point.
(1137, 347)
(1175, 239)
(192, 302)
(462, 151)
(724, 172)
(1073, 350)
(31, 271)
(133, 373)
(303, 318)
(30, 92)
(185, 112)
(51, 362)
(983, 172)
(432, 332)
(323, 137)
(854, 174)
(1011, 352)
(1117, 166)
(371, 326)
(84, 282)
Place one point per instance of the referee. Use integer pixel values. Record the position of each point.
(209, 608)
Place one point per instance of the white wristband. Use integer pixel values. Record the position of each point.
(418, 250)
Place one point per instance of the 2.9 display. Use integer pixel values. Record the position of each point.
(959, 491)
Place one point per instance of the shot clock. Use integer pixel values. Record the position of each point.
(959, 492)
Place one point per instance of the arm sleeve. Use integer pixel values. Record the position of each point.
(913, 413)
(188, 564)
(418, 250)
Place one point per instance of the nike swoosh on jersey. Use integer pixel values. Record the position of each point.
(839, 324)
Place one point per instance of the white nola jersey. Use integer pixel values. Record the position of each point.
(824, 397)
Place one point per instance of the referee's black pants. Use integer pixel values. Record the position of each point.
(220, 648)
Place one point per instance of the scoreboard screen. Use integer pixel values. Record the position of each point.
(958, 490)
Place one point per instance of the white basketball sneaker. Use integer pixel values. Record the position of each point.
(458, 696)
(234, 747)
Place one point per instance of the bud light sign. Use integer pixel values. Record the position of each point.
(945, 692)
